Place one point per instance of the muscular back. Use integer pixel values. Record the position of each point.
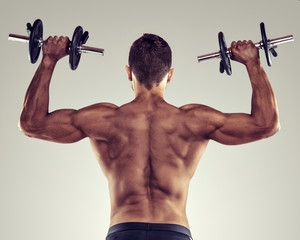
(148, 153)
(148, 149)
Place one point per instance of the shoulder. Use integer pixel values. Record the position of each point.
(95, 111)
(198, 109)
(99, 106)
(202, 119)
(96, 120)
(106, 107)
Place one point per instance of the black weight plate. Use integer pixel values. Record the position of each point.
(265, 43)
(35, 35)
(223, 53)
(75, 55)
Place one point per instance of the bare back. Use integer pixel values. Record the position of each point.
(148, 149)
(148, 156)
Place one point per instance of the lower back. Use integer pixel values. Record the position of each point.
(143, 209)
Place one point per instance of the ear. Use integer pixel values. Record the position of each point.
(170, 74)
(129, 72)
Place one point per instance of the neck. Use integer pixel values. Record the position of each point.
(153, 94)
(149, 99)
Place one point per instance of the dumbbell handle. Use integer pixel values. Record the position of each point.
(273, 42)
(81, 49)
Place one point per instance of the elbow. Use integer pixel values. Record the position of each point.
(24, 127)
(272, 128)
(27, 127)
(266, 129)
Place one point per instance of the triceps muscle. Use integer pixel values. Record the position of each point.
(58, 126)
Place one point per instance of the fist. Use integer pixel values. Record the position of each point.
(56, 48)
(244, 52)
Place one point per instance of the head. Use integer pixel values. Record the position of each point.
(150, 60)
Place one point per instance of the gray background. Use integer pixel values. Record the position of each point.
(56, 191)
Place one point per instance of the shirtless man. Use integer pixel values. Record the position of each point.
(149, 149)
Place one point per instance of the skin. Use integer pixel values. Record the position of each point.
(149, 149)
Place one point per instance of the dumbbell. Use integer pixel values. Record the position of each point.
(266, 44)
(36, 41)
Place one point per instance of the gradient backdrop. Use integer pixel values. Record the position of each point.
(55, 191)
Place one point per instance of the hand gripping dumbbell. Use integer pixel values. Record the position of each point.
(36, 41)
(225, 53)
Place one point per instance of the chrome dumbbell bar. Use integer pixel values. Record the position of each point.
(81, 49)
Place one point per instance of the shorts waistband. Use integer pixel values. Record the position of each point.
(149, 227)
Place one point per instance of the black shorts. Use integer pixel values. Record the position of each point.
(148, 231)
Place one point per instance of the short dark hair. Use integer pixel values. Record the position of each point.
(150, 59)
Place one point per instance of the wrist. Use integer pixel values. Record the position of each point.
(48, 62)
(253, 64)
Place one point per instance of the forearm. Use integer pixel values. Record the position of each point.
(264, 107)
(36, 102)
(263, 122)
